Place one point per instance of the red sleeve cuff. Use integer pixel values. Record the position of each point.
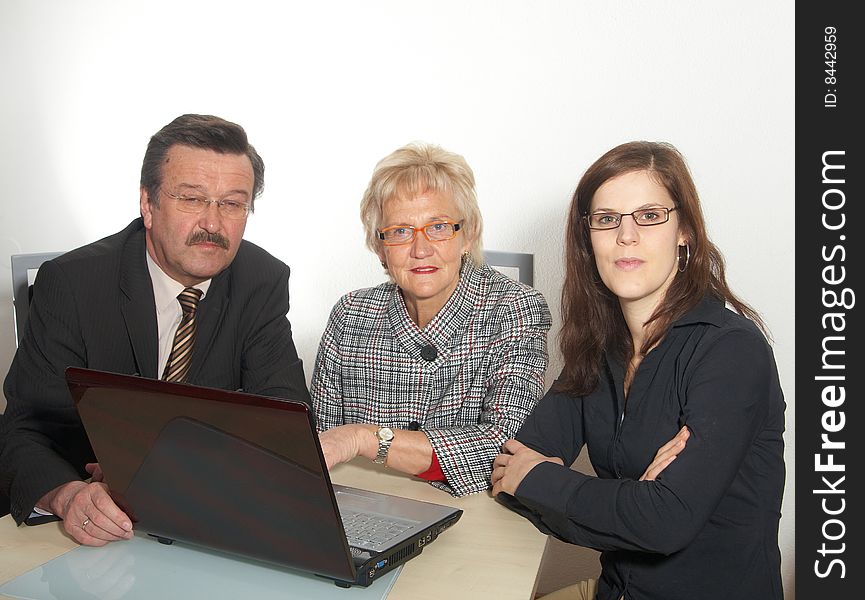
(434, 473)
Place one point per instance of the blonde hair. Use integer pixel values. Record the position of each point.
(419, 168)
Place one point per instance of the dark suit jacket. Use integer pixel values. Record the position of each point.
(94, 307)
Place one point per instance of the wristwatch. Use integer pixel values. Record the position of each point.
(384, 435)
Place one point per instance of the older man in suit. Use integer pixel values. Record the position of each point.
(178, 294)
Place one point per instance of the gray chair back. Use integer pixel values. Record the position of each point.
(22, 266)
(506, 262)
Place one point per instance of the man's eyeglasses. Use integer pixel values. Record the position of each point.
(645, 217)
(404, 234)
(230, 209)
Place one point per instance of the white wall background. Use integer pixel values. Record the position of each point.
(529, 92)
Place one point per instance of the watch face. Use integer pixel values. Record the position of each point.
(385, 434)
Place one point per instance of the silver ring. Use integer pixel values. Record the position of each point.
(86, 521)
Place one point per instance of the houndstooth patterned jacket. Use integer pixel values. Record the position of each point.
(488, 375)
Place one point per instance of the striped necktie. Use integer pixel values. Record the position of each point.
(181, 351)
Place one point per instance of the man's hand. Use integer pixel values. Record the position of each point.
(89, 514)
(95, 472)
(666, 454)
(513, 464)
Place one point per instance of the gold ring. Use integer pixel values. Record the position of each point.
(86, 521)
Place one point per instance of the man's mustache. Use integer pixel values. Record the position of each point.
(202, 236)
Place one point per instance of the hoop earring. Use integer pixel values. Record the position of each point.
(683, 264)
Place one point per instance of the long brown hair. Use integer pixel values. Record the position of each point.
(592, 317)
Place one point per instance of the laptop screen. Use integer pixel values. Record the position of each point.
(128, 413)
(228, 470)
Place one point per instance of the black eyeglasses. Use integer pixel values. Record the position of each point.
(645, 217)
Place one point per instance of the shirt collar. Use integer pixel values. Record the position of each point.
(450, 319)
(166, 289)
(709, 310)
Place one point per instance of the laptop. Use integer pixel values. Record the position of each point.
(243, 474)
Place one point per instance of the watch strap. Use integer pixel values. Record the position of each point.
(384, 442)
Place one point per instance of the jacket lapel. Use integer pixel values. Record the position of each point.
(209, 316)
(138, 305)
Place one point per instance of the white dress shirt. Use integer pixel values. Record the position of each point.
(168, 311)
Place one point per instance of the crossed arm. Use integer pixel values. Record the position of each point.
(516, 460)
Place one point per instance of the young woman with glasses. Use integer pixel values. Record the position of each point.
(675, 395)
(432, 371)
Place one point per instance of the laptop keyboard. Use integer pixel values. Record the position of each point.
(365, 530)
